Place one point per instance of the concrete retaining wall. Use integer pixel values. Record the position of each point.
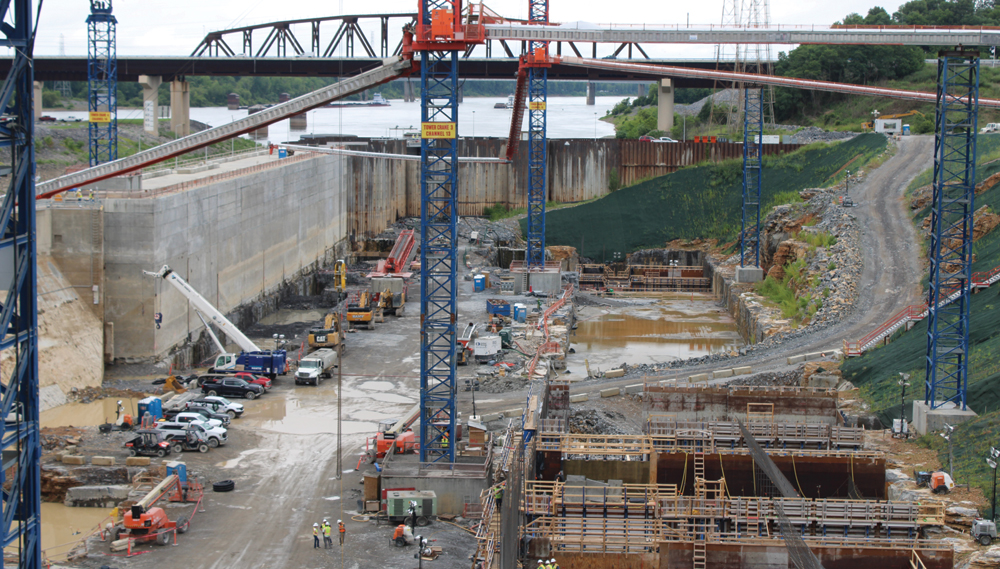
(729, 295)
(236, 241)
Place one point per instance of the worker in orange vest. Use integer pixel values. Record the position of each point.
(342, 530)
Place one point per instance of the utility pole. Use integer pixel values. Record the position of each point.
(946, 435)
(992, 462)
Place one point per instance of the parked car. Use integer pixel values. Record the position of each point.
(645, 138)
(72, 118)
(664, 139)
(231, 386)
(255, 379)
(207, 414)
(46, 118)
(192, 417)
(214, 436)
(217, 404)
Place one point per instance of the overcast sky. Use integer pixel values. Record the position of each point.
(175, 27)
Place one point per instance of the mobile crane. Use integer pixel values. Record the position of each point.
(252, 359)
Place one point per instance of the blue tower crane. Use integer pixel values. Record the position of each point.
(102, 83)
(439, 36)
(537, 63)
(753, 130)
(954, 194)
(20, 529)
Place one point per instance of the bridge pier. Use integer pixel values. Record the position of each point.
(37, 88)
(461, 92)
(641, 90)
(665, 106)
(180, 107)
(150, 102)
(591, 93)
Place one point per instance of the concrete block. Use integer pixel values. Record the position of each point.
(613, 373)
(73, 459)
(722, 373)
(103, 461)
(633, 389)
(137, 461)
(749, 274)
(579, 398)
(698, 377)
(742, 370)
(611, 392)
(490, 417)
(97, 496)
(795, 360)
(820, 355)
(927, 420)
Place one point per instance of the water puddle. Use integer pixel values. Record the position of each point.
(297, 417)
(659, 332)
(63, 525)
(87, 414)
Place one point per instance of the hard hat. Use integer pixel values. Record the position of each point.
(539, 561)
(553, 560)
(338, 521)
(315, 525)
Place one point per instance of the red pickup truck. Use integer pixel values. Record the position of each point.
(255, 379)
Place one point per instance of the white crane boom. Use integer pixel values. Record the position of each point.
(202, 305)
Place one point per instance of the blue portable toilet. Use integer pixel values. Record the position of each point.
(906, 130)
(282, 153)
(479, 283)
(151, 405)
(520, 312)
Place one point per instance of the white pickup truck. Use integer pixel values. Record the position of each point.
(992, 127)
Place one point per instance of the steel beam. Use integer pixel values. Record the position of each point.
(951, 228)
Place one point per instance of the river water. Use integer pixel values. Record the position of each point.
(568, 117)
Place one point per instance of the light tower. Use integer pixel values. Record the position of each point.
(102, 83)
(20, 529)
(952, 210)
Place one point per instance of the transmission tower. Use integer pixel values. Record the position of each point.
(102, 83)
(951, 228)
(63, 87)
(20, 528)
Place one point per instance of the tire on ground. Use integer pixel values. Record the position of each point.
(224, 486)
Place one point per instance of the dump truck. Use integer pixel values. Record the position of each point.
(316, 366)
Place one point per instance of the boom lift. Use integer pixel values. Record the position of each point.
(252, 359)
(396, 432)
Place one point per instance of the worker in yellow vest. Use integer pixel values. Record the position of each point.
(553, 564)
(315, 536)
(327, 538)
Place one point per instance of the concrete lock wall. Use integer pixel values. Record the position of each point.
(233, 240)
(729, 404)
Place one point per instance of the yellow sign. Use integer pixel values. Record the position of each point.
(437, 130)
(536, 105)
(100, 117)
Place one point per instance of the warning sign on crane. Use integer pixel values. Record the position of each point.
(100, 117)
(437, 130)
(536, 105)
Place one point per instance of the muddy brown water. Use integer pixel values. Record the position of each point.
(87, 414)
(668, 329)
(62, 525)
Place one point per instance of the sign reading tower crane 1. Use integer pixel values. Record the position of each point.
(439, 36)
(951, 228)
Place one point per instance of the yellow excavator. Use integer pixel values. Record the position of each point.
(871, 124)
(361, 310)
(329, 336)
(340, 280)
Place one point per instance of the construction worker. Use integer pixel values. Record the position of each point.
(498, 494)
(553, 564)
(315, 536)
(342, 531)
(327, 538)
(444, 440)
(541, 564)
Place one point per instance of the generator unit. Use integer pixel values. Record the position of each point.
(397, 506)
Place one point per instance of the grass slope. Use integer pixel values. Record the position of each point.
(698, 202)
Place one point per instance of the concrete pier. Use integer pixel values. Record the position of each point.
(665, 106)
(180, 107)
(150, 102)
(591, 93)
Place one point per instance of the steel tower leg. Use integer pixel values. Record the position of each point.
(951, 227)
(753, 130)
(537, 146)
(102, 82)
(438, 255)
(21, 451)
(537, 157)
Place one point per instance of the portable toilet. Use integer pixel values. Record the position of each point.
(906, 130)
(478, 283)
(520, 312)
(151, 405)
(282, 153)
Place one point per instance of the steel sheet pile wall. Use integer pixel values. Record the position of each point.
(642, 159)
(791, 405)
